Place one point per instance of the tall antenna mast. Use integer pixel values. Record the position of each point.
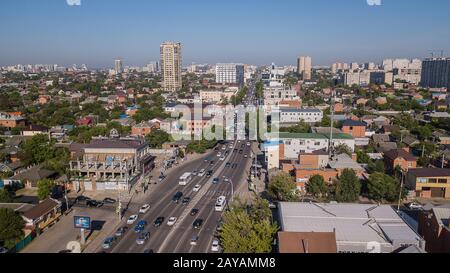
(333, 102)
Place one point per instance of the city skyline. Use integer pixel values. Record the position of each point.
(346, 31)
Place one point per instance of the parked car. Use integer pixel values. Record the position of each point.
(194, 240)
(209, 173)
(121, 231)
(415, 206)
(194, 212)
(93, 204)
(212, 162)
(132, 219)
(108, 243)
(172, 221)
(3, 250)
(215, 246)
(140, 226)
(216, 180)
(197, 188)
(228, 165)
(82, 199)
(109, 201)
(144, 209)
(143, 237)
(158, 222)
(197, 223)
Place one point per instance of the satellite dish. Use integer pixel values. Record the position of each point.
(74, 247)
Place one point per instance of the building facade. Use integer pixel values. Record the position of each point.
(304, 67)
(171, 66)
(230, 73)
(436, 73)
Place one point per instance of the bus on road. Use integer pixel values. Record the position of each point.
(221, 203)
(185, 179)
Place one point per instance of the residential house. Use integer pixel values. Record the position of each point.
(429, 182)
(434, 227)
(144, 128)
(32, 130)
(30, 177)
(10, 121)
(356, 129)
(399, 157)
(42, 215)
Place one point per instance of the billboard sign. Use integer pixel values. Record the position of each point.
(82, 222)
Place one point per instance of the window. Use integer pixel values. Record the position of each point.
(442, 181)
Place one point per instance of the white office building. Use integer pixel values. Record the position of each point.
(230, 73)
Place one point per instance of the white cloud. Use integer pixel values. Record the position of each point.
(73, 2)
(374, 2)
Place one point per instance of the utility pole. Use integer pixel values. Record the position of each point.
(330, 145)
(400, 194)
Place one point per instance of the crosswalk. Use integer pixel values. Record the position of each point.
(215, 194)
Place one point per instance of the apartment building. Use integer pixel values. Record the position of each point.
(436, 73)
(215, 96)
(171, 66)
(304, 67)
(230, 73)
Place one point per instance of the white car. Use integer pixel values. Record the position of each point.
(245, 156)
(172, 221)
(144, 209)
(219, 154)
(197, 188)
(222, 158)
(248, 143)
(215, 246)
(415, 206)
(132, 219)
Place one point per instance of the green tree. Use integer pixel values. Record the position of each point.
(260, 210)
(301, 127)
(37, 149)
(157, 138)
(45, 188)
(382, 187)
(11, 227)
(282, 187)
(376, 166)
(5, 196)
(348, 187)
(362, 157)
(242, 232)
(343, 149)
(316, 186)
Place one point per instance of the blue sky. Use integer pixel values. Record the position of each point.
(249, 31)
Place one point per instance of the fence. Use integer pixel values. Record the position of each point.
(22, 244)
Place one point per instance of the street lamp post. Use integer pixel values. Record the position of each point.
(232, 189)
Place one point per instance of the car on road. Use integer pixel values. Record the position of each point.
(176, 198)
(121, 231)
(245, 156)
(108, 242)
(186, 200)
(194, 240)
(222, 158)
(235, 150)
(241, 151)
(209, 173)
(212, 162)
(219, 154)
(226, 180)
(248, 144)
(202, 173)
(224, 147)
(143, 237)
(195, 173)
(81, 199)
(144, 209)
(172, 221)
(216, 180)
(234, 166)
(109, 201)
(197, 188)
(194, 212)
(161, 178)
(415, 206)
(228, 165)
(132, 219)
(215, 246)
(197, 224)
(140, 226)
(158, 222)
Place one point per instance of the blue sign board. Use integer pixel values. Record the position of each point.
(82, 222)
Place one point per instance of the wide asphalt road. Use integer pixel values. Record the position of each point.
(175, 239)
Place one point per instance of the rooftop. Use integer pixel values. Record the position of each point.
(351, 222)
(429, 172)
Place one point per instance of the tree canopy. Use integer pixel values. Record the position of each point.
(11, 227)
(316, 186)
(45, 188)
(282, 187)
(383, 187)
(348, 187)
